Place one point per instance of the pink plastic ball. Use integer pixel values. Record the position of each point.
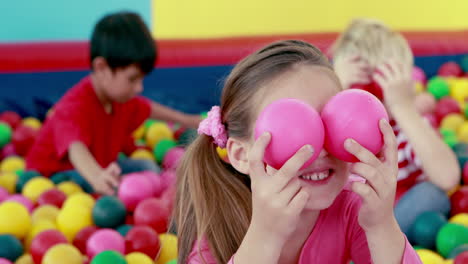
(292, 124)
(8, 150)
(5, 261)
(3, 194)
(172, 158)
(134, 189)
(168, 178)
(105, 239)
(353, 114)
(419, 75)
(465, 174)
(22, 200)
(425, 103)
(155, 180)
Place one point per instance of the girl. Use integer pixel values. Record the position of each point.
(246, 212)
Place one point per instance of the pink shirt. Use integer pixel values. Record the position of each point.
(336, 238)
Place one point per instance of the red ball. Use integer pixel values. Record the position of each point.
(459, 201)
(465, 174)
(169, 197)
(129, 219)
(43, 242)
(23, 139)
(462, 258)
(11, 118)
(53, 197)
(179, 132)
(373, 88)
(142, 239)
(445, 106)
(7, 151)
(81, 239)
(450, 69)
(153, 212)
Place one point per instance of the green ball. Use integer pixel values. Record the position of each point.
(187, 137)
(418, 247)
(425, 228)
(59, 178)
(204, 115)
(123, 229)
(109, 256)
(24, 177)
(174, 261)
(457, 251)
(148, 123)
(465, 111)
(464, 63)
(447, 132)
(5, 134)
(451, 141)
(109, 212)
(438, 87)
(10, 247)
(451, 236)
(163, 146)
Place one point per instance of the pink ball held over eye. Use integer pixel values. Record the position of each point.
(292, 124)
(353, 114)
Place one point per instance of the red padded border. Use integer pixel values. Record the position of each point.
(69, 56)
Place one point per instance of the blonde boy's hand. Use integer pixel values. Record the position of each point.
(106, 181)
(397, 84)
(352, 70)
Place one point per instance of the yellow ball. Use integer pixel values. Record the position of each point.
(429, 257)
(138, 258)
(32, 122)
(25, 259)
(168, 250)
(419, 87)
(46, 212)
(452, 122)
(222, 152)
(143, 154)
(459, 90)
(71, 220)
(463, 132)
(461, 219)
(63, 253)
(14, 219)
(448, 261)
(37, 186)
(79, 200)
(157, 132)
(12, 164)
(8, 181)
(69, 188)
(139, 133)
(37, 228)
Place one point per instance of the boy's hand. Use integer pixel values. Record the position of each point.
(397, 84)
(106, 181)
(352, 70)
(378, 193)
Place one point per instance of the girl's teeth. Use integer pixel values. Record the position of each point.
(316, 176)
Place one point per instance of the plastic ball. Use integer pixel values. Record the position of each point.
(63, 253)
(105, 239)
(3, 194)
(461, 151)
(449, 237)
(27, 203)
(79, 200)
(459, 90)
(5, 134)
(156, 182)
(168, 248)
(372, 87)
(23, 139)
(45, 212)
(139, 133)
(14, 219)
(445, 106)
(277, 119)
(43, 242)
(133, 189)
(11, 118)
(152, 212)
(7, 151)
(32, 122)
(60, 177)
(8, 181)
(187, 137)
(12, 164)
(124, 229)
(69, 188)
(429, 257)
(53, 197)
(142, 154)
(25, 177)
(425, 228)
(143, 239)
(425, 103)
(419, 75)
(174, 261)
(452, 121)
(162, 147)
(464, 63)
(462, 258)
(419, 87)
(465, 174)
(148, 123)
(173, 157)
(459, 201)
(463, 132)
(71, 220)
(81, 239)
(450, 69)
(438, 87)
(109, 212)
(168, 178)
(37, 228)
(156, 132)
(138, 258)
(37, 186)
(457, 251)
(11, 247)
(353, 114)
(461, 219)
(222, 153)
(25, 259)
(109, 256)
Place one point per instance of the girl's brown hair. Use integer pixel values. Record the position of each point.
(213, 200)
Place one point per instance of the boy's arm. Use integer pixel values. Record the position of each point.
(102, 180)
(164, 113)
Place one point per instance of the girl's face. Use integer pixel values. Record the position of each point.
(325, 178)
